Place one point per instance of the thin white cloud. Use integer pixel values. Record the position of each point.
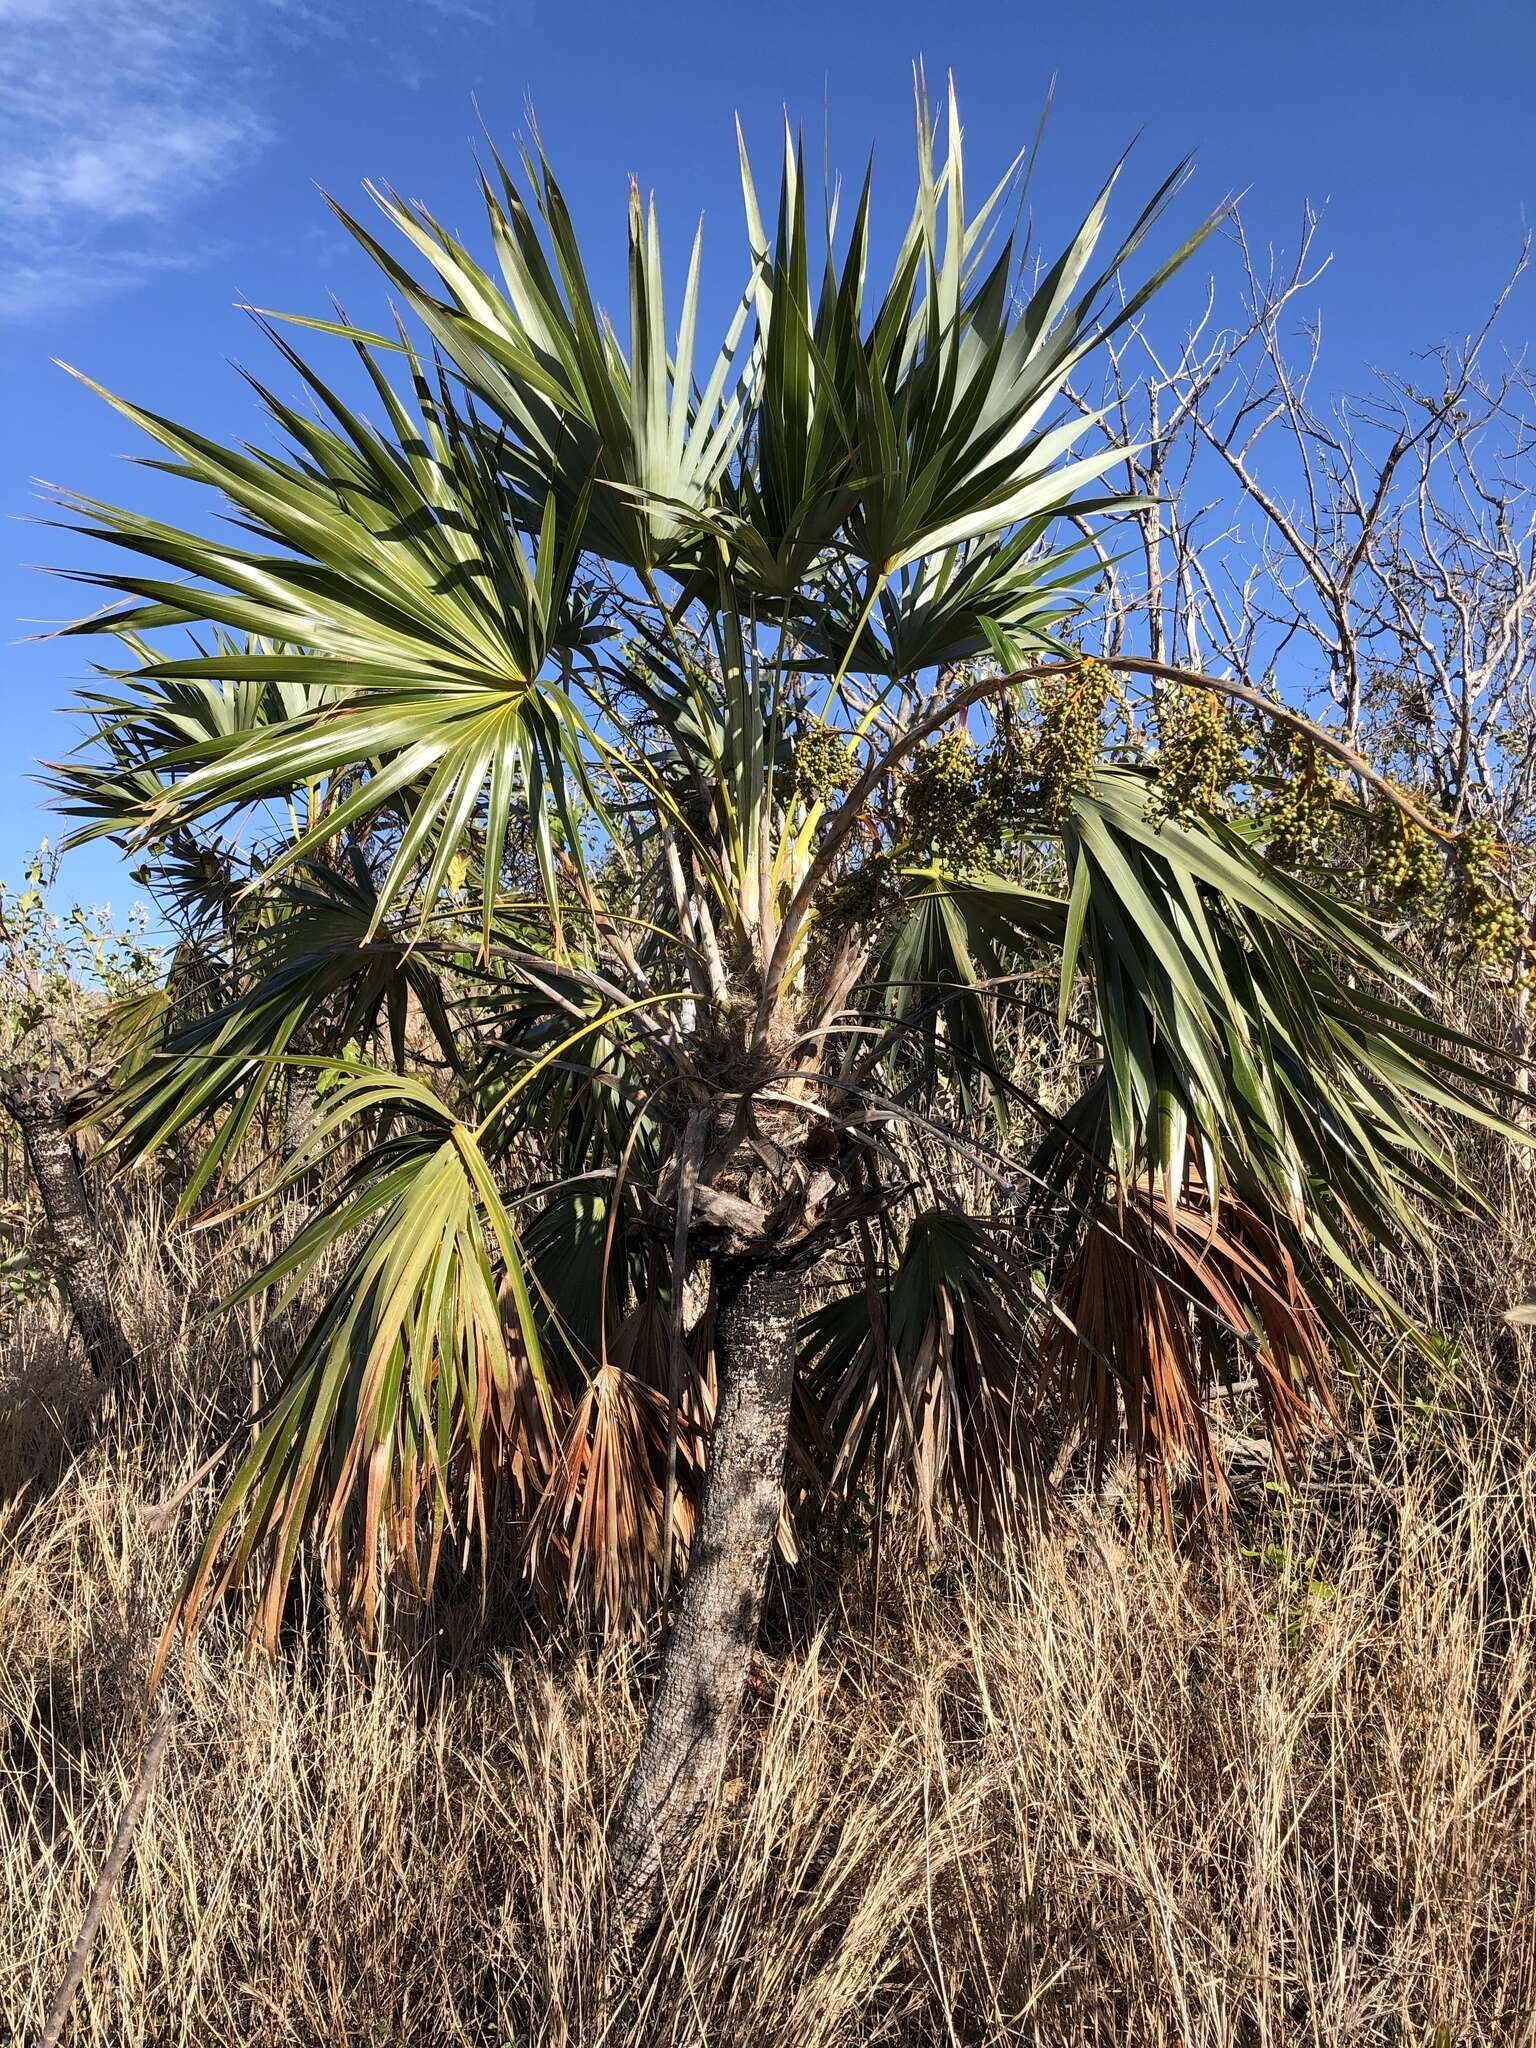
(114, 119)
(75, 277)
(139, 174)
(118, 118)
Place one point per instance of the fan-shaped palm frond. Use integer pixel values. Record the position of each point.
(1236, 1001)
(405, 601)
(411, 1387)
(924, 1373)
(318, 960)
(577, 411)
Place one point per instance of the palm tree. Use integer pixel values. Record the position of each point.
(676, 803)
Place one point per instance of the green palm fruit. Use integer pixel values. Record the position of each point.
(948, 814)
(1199, 757)
(1303, 810)
(823, 764)
(1482, 914)
(1072, 706)
(1405, 865)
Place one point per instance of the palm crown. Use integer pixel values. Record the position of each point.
(683, 802)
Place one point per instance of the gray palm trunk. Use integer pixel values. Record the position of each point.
(301, 1108)
(697, 1702)
(301, 1115)
(38, 1105)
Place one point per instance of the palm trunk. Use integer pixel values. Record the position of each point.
(39, 1112)
(698, 1697)
(301, 1109)
(301, 1113)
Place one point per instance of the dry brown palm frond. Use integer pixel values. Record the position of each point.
(597, 1527)
(1162, 1304)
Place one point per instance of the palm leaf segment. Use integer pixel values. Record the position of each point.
(393, 1394)
(919, 430)
(314, 960)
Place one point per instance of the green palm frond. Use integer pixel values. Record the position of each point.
(1236, 1000)
(420, 1377)
(1004, 594)
(959, 935)
(404, 599)
(318, 963)
(119, 775)
(578, 411)
(957, 435)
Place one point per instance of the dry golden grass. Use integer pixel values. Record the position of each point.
(1279, 1788)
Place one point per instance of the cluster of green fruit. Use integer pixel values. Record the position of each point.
(958, 804)
(953, 805)
(823, 764)
(1199, 759)
(1481, 912)
(866, 896)
(949, 812)
(1072, 705)
(1302, 810)
(1481, 916)
(1405, 865)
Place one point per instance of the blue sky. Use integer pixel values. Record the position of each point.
(160, 161)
